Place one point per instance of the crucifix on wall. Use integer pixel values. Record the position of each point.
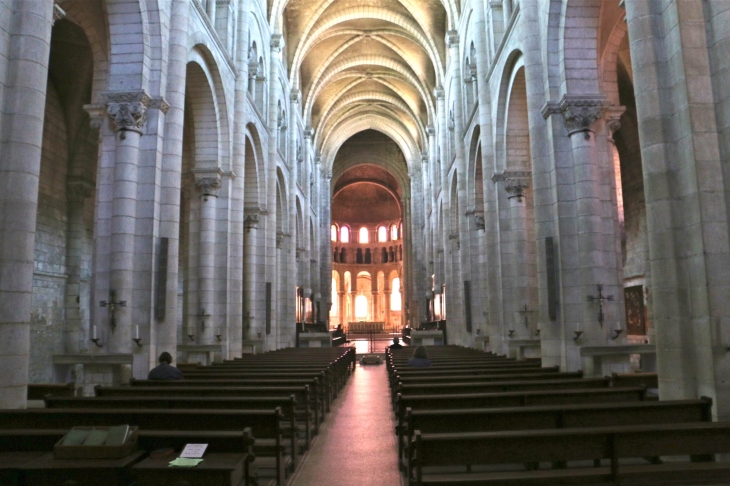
(526, 311)
(600, 298)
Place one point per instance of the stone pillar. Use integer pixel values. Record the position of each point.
(353, 300)
(77, 190)
(21, 138)
(387, 292)
(341, 307)
(128, 112)
(250, 282)
(164, 332)
(209, 184)
(592, 258)
(211, 11)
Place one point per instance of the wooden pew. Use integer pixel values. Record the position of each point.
(553, 417)
(319, 392)
(36, 391)
(514, 399)
(697, 440)
(649, 380)
(22, 443)
(467, 370)
(499, 386)
(263, 424)
(288, 406)
(301, 394)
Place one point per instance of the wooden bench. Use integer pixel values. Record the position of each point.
(698, 440)
(552, 417)
(264, 424)
(500, 386)
(514, 399)
(36, 391)
(305, 409)
(406, 371)
(319, 394)
(288, 408)
(22, 443)
(649, 380)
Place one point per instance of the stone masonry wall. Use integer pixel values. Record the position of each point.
(49, 278)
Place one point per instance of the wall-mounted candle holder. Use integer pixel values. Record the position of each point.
(218, 334)
(577, 335)
(510, 332)
(191, 337)
(138, 342)
(617, 333)
(97, 341)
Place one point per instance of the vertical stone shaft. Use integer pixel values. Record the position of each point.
(209, 187)
(165, 336)
(20, 161)
(250, 275)
(124, 209)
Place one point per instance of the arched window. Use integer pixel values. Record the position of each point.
(394, 232)
(343, 256)
(336, 255)
(358, 256)
(364, 236)
(400, 253)
(345, 234)
(361, 307)
(382, 234)
(384, 258)
(368, 256)
(395, 303)
(333, 233)
(391, 254)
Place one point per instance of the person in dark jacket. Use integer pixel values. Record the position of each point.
(165, 371)
(396, 344)
(420, 358)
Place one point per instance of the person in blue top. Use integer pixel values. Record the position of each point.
(420, 358)
(165, 371)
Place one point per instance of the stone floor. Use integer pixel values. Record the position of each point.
(357, 445)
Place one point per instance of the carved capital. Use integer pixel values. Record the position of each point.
(295, 96)
(78, 189)
(127, 110)
(251, 220)
(160, 104)
(430, 130)
(439, 93)
(452, 38)
(309, 132)
(613, 119)
(277, 42)
(581, 112)
(479, 221)
(209, 186)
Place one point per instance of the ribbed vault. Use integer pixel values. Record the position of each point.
(366, 64)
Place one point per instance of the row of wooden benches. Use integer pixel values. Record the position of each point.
(492, 427)
(279, 415)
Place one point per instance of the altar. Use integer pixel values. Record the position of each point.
(365, 327)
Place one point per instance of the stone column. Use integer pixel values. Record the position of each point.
(164, 332)
(386, 293)
(209, 184)
(592, 258)
(211, 11)
(128, 112)
(77, 190)
(341, 308)
(353, 300)
(250, 281)
(21, 138)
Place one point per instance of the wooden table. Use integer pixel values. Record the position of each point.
(217, 469)
(47, 471)
(12, 462)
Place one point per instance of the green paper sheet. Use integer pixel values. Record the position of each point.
(183, 462)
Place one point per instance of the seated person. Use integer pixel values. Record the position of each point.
(396, 344)
(165, 371)
(420, 358)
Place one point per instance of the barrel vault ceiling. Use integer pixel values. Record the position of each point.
(366, 64)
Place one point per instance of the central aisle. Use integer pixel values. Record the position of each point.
(357, 444)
